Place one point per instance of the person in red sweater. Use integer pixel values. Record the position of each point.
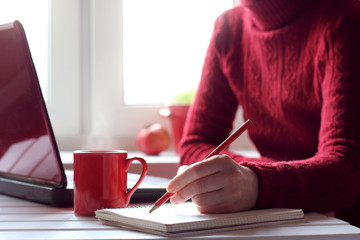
(293, 66)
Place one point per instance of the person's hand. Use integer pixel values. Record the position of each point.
(215, 185)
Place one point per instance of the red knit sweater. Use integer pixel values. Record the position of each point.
(293, 66)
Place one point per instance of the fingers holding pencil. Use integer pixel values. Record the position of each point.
(215, 185)
(194, 172)
(171, 192)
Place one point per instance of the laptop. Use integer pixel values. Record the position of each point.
(30, 163)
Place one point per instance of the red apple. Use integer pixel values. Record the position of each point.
(153, 139)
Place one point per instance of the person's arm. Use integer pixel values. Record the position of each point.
(213, 111)
(210, 123)
(325, 182)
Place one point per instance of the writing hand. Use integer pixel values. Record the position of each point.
(215, 185)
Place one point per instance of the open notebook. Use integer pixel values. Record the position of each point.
(185, 220)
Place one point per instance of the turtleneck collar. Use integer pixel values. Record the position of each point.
(272, 14)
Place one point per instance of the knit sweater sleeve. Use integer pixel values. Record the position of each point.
(325, 182)
(211, 115)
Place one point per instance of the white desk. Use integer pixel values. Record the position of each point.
(27, 220)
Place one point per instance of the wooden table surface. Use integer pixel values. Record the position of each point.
(21, 219)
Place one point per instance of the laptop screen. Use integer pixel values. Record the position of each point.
(27, 146)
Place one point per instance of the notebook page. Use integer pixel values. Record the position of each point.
(185, 217)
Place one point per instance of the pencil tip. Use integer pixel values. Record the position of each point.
(153, 208)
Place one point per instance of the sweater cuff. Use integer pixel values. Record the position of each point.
(269, 186)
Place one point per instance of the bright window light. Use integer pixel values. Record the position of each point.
(33, 15)
(165, 43)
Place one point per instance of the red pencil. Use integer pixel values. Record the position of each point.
(216, 151)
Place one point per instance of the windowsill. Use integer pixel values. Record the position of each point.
(163, 165)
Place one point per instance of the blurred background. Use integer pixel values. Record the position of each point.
(108, 67)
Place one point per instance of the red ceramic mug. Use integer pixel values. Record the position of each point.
(100, 180)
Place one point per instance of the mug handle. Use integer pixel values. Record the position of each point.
(130, 192)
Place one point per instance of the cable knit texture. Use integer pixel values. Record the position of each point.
(293, 66)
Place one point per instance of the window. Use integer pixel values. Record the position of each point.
(88, 67)
(115, 123)
(165, 42)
